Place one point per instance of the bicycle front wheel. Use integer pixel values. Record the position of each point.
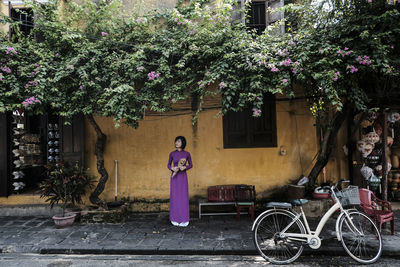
(267, 238)
(360, 237)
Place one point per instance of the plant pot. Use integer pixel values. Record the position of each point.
(68, 220)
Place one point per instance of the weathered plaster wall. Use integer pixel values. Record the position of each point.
(143, 153)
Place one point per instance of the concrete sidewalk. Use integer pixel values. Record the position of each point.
(153, 234)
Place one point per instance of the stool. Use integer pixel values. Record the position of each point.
(249, 205)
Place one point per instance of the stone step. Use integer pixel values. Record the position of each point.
(29, 210)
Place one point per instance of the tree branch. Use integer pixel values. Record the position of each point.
(327, 145)
(99, 152)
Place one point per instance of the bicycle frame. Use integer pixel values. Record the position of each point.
(311, 237)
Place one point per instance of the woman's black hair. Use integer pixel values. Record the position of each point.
(183, 140)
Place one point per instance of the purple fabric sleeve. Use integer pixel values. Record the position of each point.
(189, 159)
(169, 162)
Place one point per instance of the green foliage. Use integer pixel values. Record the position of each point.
(66, 184)
(95, 61)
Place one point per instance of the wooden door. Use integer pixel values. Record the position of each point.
(72, 140)
(4, 154)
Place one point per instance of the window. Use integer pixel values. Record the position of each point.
(256, 17)
(242, 130)
(25, 17)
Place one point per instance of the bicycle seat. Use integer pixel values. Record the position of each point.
(281, 205)
(299, 202)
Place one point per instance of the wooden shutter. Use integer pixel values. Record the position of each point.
(264, 128)
(236, 128)
(257, 16)
(4, 154)
(72, 140)
(242, 130)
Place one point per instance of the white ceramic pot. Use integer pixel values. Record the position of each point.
(68, 220)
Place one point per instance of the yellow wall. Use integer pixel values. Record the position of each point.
(143, 153)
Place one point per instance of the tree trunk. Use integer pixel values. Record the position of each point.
(327, 145)
(99, 151)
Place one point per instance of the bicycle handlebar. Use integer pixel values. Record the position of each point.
(340, 182)
(331, 188)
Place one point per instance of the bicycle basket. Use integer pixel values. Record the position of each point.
(349, 196)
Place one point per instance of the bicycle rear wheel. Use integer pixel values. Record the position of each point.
(360, 237)
(268, 242)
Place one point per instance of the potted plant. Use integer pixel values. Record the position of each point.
(65, 184)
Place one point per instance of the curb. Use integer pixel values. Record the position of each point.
(331, 251)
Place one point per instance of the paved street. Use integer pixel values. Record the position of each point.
(34, 260)
(152, 234)
(150, 240)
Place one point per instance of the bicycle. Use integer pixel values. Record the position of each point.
(280, 236)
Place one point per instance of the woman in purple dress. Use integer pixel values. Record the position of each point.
(179, 192)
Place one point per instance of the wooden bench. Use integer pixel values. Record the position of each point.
(239, 196)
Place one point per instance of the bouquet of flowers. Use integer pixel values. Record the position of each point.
(181, 163)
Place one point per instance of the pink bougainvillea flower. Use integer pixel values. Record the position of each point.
(274, 69)
(351, 68)
(11, 50)
(256, 112)
(336, 76)
(30, 101)
(365, 60)
(221, 85)
(57, 54)
(284, 81)
(6, 69)
(201, 84)
(286, 62)
(104, 34)
(392, 46)
(153, 75)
